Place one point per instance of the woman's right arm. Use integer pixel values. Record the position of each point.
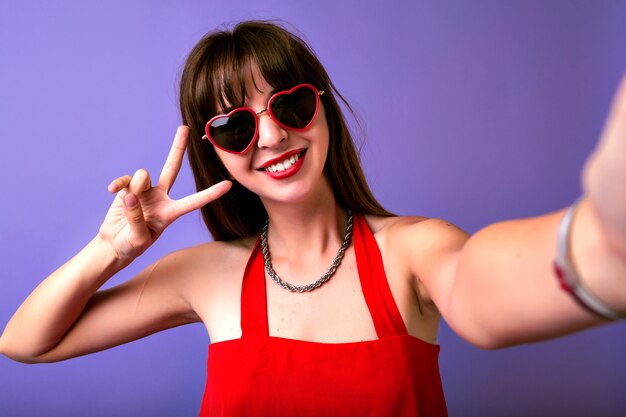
(65, 317)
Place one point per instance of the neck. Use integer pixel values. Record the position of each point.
(314, 228)
(322, 279)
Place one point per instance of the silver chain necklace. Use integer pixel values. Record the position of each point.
(309, 287)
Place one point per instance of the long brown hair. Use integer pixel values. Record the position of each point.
(215, 73)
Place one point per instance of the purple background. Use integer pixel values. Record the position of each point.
(474, 111)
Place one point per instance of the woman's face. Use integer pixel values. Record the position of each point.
(260, 170)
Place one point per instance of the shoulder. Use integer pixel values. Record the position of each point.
(212, 258)
(416, 230)
(218, 250)
(207, 275)
(203, 268)
(422, 247)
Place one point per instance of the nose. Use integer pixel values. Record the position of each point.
(271, 134)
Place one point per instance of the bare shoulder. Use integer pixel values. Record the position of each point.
(193, 272)
(218, 252)
(416, 230)
(212, 260)
(207, 277)
(419, 248)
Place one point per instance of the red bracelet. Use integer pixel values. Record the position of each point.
(568, 276)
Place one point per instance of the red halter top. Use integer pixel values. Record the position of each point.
(261, 375)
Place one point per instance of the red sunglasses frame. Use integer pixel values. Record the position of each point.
(267, 110)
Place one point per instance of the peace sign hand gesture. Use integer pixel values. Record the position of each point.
(141, 212)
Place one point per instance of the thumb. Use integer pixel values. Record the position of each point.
(139, 234)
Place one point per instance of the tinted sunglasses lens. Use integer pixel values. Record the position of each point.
(234, 132)
(296, 109)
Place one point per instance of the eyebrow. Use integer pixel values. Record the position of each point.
(231, 108)
(227, 109)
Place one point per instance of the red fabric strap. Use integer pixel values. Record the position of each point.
(385, 314)
(254, 322)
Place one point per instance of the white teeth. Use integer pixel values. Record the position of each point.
(283, 165)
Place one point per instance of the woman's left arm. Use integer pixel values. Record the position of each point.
(499, 288)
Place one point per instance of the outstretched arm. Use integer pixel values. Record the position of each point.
(63, 318)
(498, 287)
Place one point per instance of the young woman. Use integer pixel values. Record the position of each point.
(316, 299)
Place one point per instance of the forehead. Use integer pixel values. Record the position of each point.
(243, 91)
(256, 83)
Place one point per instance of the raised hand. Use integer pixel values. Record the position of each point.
(604, 177)
(140, 211)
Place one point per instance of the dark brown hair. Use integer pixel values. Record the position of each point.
(215, 72)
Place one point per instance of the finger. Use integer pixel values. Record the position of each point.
(140, 182)
(139, 233)
(119, 183)
(201, 198)
(174, 159)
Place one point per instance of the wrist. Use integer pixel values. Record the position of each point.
(104, 253)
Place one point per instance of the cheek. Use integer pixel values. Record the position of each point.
(321, 116)
(319, 128)
(322, 130)
(234, 164)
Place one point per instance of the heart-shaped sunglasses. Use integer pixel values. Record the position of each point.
(237, 131)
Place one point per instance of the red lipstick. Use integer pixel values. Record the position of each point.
(285, 172)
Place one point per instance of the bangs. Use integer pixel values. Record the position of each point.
(280, 61)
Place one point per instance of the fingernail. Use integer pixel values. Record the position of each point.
(130, 200)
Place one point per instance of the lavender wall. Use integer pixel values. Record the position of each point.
(474, 112)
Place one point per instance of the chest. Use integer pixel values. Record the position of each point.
(336, 312)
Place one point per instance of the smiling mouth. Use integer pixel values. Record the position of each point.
(285, 164)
